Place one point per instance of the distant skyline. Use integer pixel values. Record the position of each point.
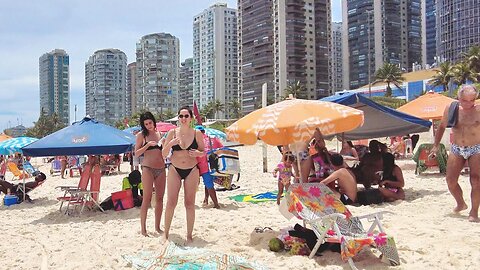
(31, 28)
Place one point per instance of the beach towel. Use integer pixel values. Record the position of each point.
(255, 198)
(176, 257)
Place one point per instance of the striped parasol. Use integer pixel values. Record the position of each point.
(215, 133)
(15, 145)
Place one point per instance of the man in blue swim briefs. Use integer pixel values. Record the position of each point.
(465, 123)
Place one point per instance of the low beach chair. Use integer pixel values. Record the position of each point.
(424, 162)
(56, 167)
(332, 222)
(20, 192)
(70, 192)
(17, 174)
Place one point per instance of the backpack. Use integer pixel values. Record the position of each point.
(453, 114)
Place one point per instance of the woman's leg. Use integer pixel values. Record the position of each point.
(390, 196)
(306, 167)
(173, 187)
(160, 182)
(280, 191)
(147, 182)
(190, 187)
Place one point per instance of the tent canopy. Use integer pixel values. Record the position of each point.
(380, 121)
(85, 137)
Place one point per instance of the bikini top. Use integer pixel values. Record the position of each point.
(193, 145)
(160, 147)
(321, 168)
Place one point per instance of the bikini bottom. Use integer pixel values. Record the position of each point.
(184, 173)
(155, 172)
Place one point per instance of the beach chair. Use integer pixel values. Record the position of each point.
(332, 222)
(56, 167)
(70, 194)
(87, 198)
(20, 192)
(28, 168)
(17, 174)
(424, 162)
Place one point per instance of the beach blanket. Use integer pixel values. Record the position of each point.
(176, 257)
(255, 198)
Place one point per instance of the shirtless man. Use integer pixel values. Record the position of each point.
(465, 146)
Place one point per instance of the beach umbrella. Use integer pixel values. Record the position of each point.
(14, 145)
(4, 137)
(428, 106)
(294, 120)
(215, 133)
(85, 137)
(165, 127)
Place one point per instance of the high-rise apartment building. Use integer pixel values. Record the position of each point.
(55, 84)
(185, 83)
(458, 28)
(377, 32)
(130, 94)
(429, 30)
(282, 42)
(336, 51)
(105, 85)
(158, 61)
(215, 59)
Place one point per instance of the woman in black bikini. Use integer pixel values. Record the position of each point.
(153, 169)
(186, 144)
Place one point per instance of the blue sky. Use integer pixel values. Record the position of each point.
(30, 28)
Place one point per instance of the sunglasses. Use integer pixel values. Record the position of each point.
(183, 116)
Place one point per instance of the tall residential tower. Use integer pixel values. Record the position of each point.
(105, 85)
(158, 61)
(55, 84)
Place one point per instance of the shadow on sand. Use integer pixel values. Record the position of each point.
(57, 217)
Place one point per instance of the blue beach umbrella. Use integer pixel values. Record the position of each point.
(213, 133)
(85, 137)
(15, 145)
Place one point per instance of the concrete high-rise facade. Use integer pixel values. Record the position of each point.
(54, 75)
(215, 59)
(282, 42)
(429, 30)
(130, 94)
(158, 61)
(185, 83)
(377, 32)
(458, 28)
(336, 52)
(105, 85)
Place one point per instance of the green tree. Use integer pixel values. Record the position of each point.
(389, 73)
(217, 106)
(462, 73)
(389, 101)
(472, 57)
(443, 76)
(207, 111)
(234, 108)
(296, 89)
(45, 125)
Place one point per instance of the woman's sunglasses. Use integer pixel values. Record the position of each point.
(183, 116)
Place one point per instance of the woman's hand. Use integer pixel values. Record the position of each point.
(174, 141)
(384, 183)
(195, 153)
(152, 143)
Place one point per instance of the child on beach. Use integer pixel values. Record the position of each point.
(284, 172)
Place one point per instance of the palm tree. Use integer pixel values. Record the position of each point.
(462, 73)
(234, 108)
(389, 73)
(443, 76)
(217, 106)
(472, 57)
(297, 89)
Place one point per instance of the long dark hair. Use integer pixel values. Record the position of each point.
(388, 164)
(146, 116)
(186, 108)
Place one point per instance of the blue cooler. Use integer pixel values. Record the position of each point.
(10, 200)
(225, 161)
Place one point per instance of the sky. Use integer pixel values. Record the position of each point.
(30, 28)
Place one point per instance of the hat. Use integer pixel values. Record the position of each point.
(201, 128)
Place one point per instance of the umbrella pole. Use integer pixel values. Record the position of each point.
(23, 175)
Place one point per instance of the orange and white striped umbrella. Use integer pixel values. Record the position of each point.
(293, 121)
(428, 106)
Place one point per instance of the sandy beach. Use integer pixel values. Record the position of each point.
(427, 234)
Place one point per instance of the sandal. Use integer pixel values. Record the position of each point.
(262, 230)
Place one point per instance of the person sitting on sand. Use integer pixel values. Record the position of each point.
(371, 165)
(348, 151)
(7, 187)
(284, 173)
(392, 182)
(321, 163)
(134, 182)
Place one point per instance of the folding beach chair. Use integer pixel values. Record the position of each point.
(17, 174)
(28, 168)
(332, 222)
(20, 191)
(424, 162)
(70, 194)
(56, 167)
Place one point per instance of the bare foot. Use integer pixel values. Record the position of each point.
(164, 239)
(459, 208)
(216, 206)
(159, 231)
(473, 219)
(204, 204)
(189, 241)
(144, 233)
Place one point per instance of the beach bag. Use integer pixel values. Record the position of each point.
(453, 114)
(223, 161)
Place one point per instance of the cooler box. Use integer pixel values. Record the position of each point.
(223, 161)
(10, 200)
(122, 200)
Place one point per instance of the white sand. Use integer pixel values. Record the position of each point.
(428, 236)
